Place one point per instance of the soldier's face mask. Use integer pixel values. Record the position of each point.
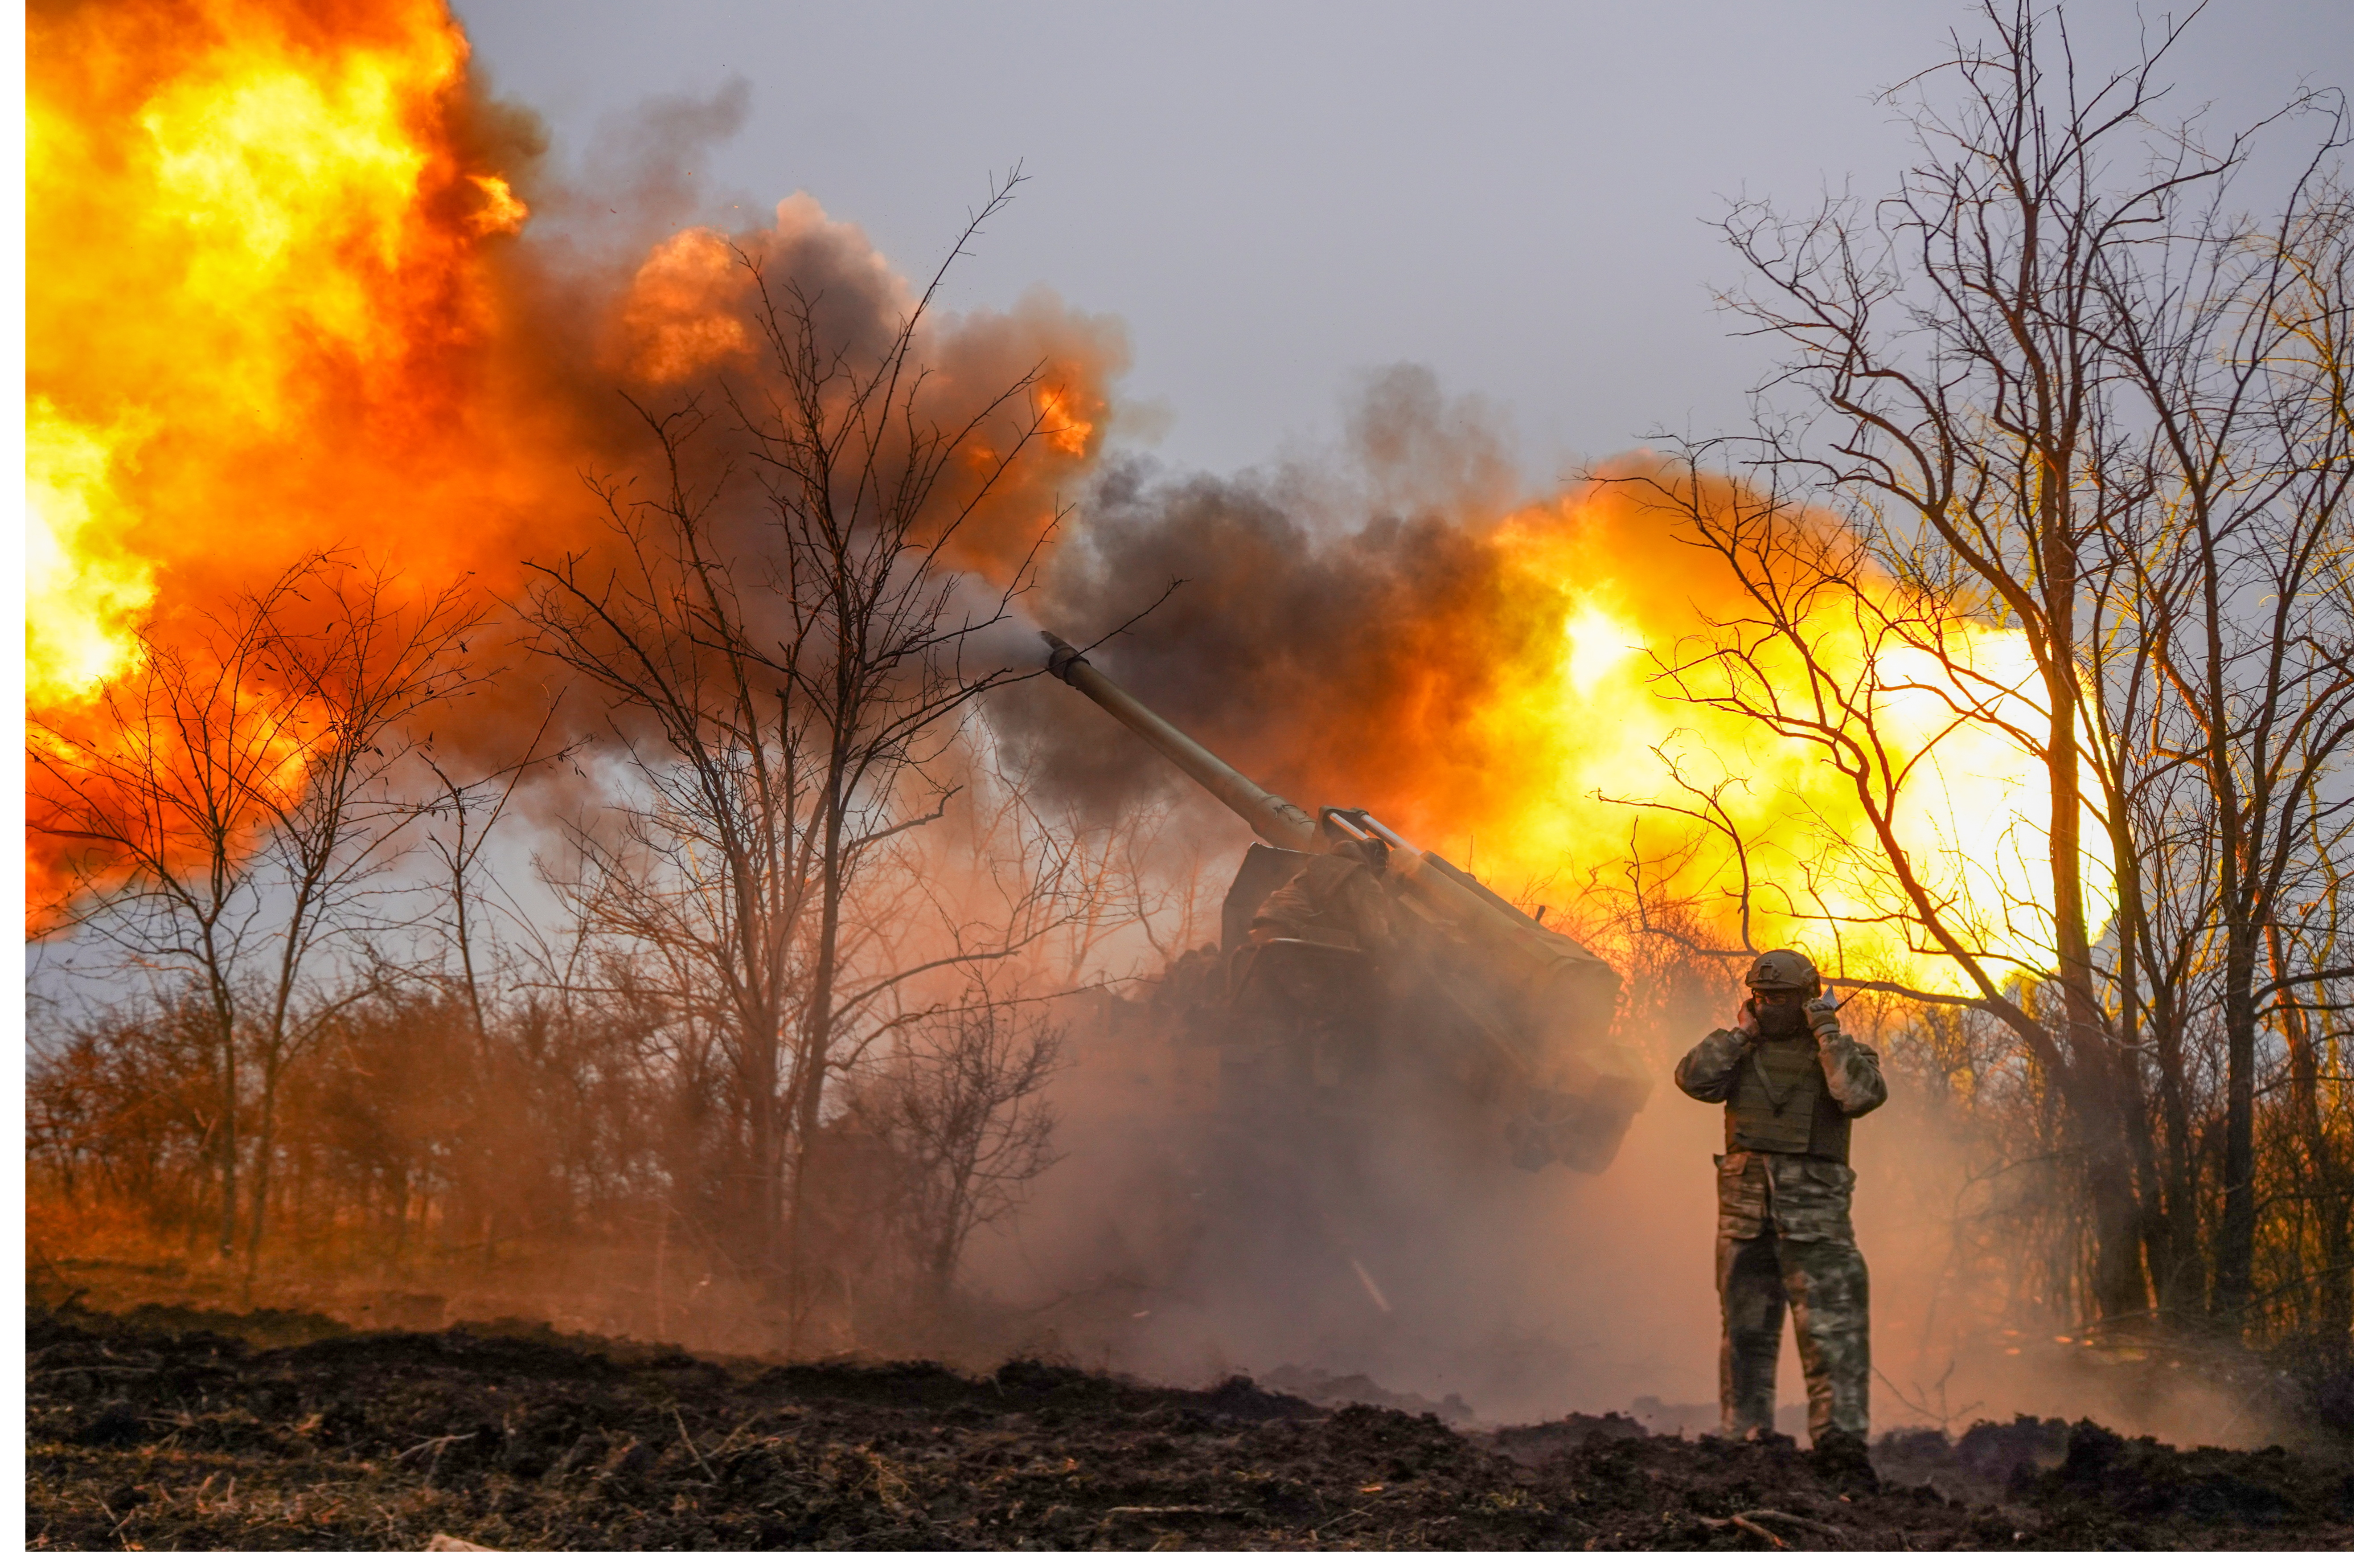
(1779, 1013)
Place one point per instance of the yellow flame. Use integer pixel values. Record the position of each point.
(82, 593)
(1584, 739)
(290, 183)
(249, 306)
(200, 247)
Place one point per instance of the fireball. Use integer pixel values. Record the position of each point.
(1614, 762)
(263, 321)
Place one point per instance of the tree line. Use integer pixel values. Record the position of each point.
(2058, 389)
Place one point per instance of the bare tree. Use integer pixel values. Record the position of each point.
(483, 798)
(957, 1100)
(2235, 572)
(2087, 434)
(233, 802)
(475, 806)
(779, 635)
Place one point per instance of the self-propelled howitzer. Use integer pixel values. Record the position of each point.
(1532, 1008)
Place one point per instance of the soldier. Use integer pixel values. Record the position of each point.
(1791, 1082)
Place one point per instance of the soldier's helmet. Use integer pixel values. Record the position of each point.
(1782, 970)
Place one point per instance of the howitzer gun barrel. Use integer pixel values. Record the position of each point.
(1277, 820)
(1455, 896)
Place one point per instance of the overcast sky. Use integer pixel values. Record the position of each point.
(1275, 197)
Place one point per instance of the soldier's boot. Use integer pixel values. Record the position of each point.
(1751, 1321)
(1841, 1463)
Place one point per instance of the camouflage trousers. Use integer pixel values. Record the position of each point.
(1785, 1239)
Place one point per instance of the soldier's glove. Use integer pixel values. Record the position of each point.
(1747, 1020)
(1820, 1012)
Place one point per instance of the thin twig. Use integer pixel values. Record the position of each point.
(691, 1446)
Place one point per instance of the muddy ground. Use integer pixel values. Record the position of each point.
(171, 1428)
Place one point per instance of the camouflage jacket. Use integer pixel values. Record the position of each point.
(1796, 1095)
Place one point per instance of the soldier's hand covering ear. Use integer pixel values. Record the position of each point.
(1747, 1020)
(1820, 1010)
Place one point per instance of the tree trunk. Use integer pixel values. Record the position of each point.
(818, 1032)
(2164, 1218)
(2329, 1180)
(2181, 1284)
(2118, 1284)
(2235, 1245)
(261, 1174)
(229, 1240)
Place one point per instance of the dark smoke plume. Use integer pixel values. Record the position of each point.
(1314, 623)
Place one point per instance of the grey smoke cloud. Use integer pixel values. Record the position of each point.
(1272, 613)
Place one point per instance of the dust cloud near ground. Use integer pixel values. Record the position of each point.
(1417, 1255)
(1183, 1243)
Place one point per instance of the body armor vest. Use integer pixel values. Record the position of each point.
(1779, 1103)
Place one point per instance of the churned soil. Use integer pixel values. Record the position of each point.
(168, 1428)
